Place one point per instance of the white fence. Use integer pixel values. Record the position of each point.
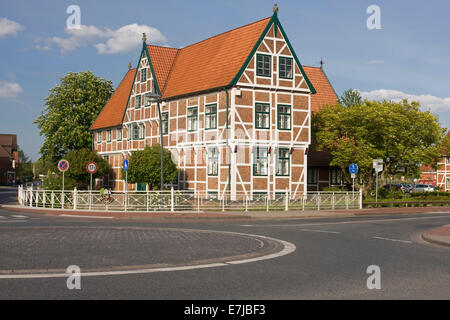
(185, 200)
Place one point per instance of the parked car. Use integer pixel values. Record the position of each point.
(393, 187)
(422, 188)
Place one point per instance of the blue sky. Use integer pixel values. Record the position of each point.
(407, 57)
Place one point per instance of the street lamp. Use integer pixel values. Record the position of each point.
(155, 97)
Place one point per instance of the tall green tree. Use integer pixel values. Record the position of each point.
(144, 167)
(71, 108)
(24, 167)
(350, 98)
(78, 160)
(397, 132)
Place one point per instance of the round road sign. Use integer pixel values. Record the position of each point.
(353, 168)
(91, 167)
(63, 165)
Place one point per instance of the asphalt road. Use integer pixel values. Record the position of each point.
(330, 260)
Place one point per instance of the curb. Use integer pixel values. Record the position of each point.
(443, 240)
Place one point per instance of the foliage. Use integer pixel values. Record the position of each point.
(71, 108)
(144, 167)
(350, 98)
(78, 160)
(43, 166)
(24, 168)
(397, 132)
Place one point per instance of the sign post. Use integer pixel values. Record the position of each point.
(91, 168)
(378, 166)
(63, 166)
(353, 169)
(125, 167)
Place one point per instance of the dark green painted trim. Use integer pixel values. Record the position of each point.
(274, 20)
(151, 69)
(289, 162)
(210, 113)
(132, 85)
(265, 104)
(279, 69)
(310, 86)
(270, 65)
(188, 116)
(289, 114)
(236, 78)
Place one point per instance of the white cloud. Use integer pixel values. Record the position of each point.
(427, 101)
(126, 38)
(9, 89)
(9, 27)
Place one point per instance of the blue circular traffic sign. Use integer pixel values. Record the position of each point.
(125, 164)
(63, 165)
(353, 168)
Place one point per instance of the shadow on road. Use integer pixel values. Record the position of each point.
(8, 195)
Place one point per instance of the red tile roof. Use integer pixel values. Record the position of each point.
(112, 113)
(162, 59)
(325, 93)
(213, 62)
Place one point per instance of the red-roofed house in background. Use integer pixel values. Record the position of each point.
(9, 158)
(439, 177)
(235, 107)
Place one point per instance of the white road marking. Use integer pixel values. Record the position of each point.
(14, 220)
(324, 231)
(288, 248)
(18, 216)
(79, 216)
(2, 217)
(350, 222)
(395, 240)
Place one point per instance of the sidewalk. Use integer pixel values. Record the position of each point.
(439, 235)
(260, 215)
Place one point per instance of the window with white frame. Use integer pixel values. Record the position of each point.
(165, 122)
(141, 131)
(447, 160)
(99, 136)
(285, 67)
(284, 117)
(137, 101)
(447, 184)
(211, 116)
(135, 131)
(260, 161)
(262, 116)
(109, 135)
(192, 118)
(283, 162)
(119, 134)
(263, 65)
(213, 161)
(143, 75)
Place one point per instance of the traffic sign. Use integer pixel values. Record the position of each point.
(91, 167)
(353, 175)
(63, 165)
(125, 164)
(353, 168)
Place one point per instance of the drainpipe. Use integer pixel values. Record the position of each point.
(228, 147)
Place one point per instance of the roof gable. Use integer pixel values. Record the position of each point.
(112, 113)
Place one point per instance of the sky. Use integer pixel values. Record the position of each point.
(402, 54)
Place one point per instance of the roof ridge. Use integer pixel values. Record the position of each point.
(248, 24)
(164, 47)
(170, 72)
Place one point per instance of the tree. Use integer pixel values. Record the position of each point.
(71, 108)
(78, 160)
(24, 167)
(145, 167)
(397, 132)
(350, 98)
